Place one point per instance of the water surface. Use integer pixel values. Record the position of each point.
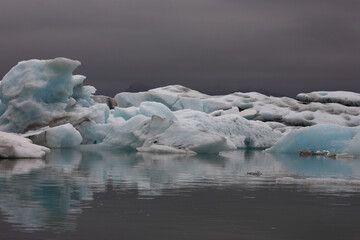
(93, 195)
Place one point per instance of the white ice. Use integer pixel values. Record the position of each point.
(15, 146)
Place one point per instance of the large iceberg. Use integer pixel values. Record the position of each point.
(45, 102)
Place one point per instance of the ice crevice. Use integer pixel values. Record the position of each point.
(43, 101)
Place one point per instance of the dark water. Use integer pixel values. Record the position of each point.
(117, 195)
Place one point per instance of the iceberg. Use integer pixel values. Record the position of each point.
(332, 138)
(39, 93)
(45, 102)
(15, 146)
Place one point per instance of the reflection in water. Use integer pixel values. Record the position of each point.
(49, 194)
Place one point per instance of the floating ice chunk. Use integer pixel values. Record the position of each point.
(15, 146)
(335, 139)
(63, 136)
(342, 97)
(37, 93)
(154, 108)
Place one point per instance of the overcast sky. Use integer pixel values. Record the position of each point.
(278, 47)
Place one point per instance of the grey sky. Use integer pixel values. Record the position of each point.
(279, 47)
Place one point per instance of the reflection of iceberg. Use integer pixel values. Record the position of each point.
(36, 195)
(37, 199)
(315, 166)
(22, 166)
(326, 181)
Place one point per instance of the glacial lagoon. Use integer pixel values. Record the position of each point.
(243, 194)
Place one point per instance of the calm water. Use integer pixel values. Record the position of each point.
(117, 195)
